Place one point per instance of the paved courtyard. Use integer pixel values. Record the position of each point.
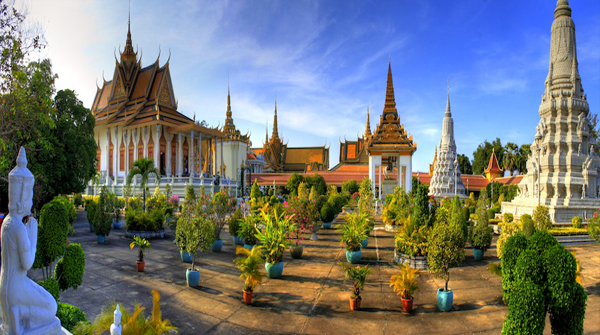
(310, 298)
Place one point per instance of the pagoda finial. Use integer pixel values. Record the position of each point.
(128, 53)
(390, 100)
(229, 127)
(267, 133)
(448, 113)
(275, 130)
(368, 128)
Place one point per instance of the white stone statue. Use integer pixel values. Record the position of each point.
(115, 328)
(27, 308)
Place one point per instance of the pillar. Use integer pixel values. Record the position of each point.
(125, 156)
(107, 151)
(373, 161)
(221, 165)
(191, 155)
(179, 155)
(135, 144)
(200, 154)
(116, 155)
(146, 139)
(380, 184)
(157, 148)
(409, 174)
(216, 143)
(168, 155)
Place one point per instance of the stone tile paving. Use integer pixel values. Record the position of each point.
(310, 298)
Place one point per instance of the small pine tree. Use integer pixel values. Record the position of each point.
(314, 196)
(541, 217)
(255, 193)
(303, 191)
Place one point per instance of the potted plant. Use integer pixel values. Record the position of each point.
(294, 236)
(248, 264)
(274, 242)
(142, 244)
(234, 227)
(358, 275)
(444, 250)
(103, 221)
(218, 208)
(327, 215)
(481, 239)
(352, 234)
(405, 284)
(248, 231)
(118, 204)
(199, 235)
(187, 214)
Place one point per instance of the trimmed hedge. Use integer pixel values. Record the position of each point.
(568, 231)
(52, 234)
(570, 321)
(51, 285)
(541, 240)
(526, 311)
(69, 315)
(69, 269)
(511, 251)
(528, 225)
(327, 213)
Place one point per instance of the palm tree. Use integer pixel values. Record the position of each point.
(144, 167)
(511, 152)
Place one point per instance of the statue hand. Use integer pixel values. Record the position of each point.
(32, 231)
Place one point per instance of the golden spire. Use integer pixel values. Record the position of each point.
(390, 100)
(368, 128)
(128, 53)
(267, 133)
(275, 131)
(229, 126)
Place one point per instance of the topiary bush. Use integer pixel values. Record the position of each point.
(77, 199)
(526, 311)
(51, 285)
(511, 251)
(508, 217)
(52, 235)
(541, 217)
(71, 210)
(69, 269)
(540, 241)
(481, 237)
(528, 225)
(577, 222)
(103, 219)
(530, 266)
(234, 222)
(327, 213)
(570, 321)
(562, 267)
(91, 209)
(350, 186)
(444, 250)
(69, 315)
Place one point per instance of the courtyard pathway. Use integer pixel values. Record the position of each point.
(310, 298)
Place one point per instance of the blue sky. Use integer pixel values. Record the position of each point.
(326, 62)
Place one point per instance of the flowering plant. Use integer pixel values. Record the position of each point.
(174, 201)
(304, 212)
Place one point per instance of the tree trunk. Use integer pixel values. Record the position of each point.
(447, 280)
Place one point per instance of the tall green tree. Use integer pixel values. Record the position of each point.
(511, 154)
(318, 182)
(481, 156)
(524, 152)
(143, 167)
(293, 183)
(464, 164)
(70, 162)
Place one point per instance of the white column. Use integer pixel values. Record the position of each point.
(146, 140)
(116, 155)
(157, 148)
(216, 143)
(168, 155)
(107, 151)
(179, 155)
(409, 174)
(380, 183)
(135, 144)
(125, 156)
(221, 165)
(373, 161)
(191, 155)
(200, 154)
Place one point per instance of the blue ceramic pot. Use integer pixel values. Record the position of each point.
(117, 224)
(249, 247)
(274, 270)
(217, 246)
(364, 243)
(327, 225)
(185, 256)
(237, 240)
(444, 300)
(353, 257)
(101, 239)
(192, 277)
(478, 254)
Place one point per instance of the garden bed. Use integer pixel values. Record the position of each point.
(416, 262)
(569, 231)
(145, 234)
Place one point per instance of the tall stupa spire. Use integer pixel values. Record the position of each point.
(128, 53)
(368, 127)
(229, 126)
(390, 100)
(448, 113)
(275, 130)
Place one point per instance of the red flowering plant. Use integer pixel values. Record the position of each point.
(354, 199)
(304, 217)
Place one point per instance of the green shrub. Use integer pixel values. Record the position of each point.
(350, 186)
(511, 251)
(508, 217)
(526, 311)
(51, 285)
(337, 202)
(562, 267)
(255, 192)
(528, 225)
(481, 236)
(444, 250)
(69, 315)
(139, 220)
(103, 219)
(567, 231)
(327, 213)
(570, 321)
(52, 234)
(530, 266)
(69, 207)
(541, 217)
(466, 212)
(77, 199)
(540, 241)
(69, 269)
(234, 222)
(593, 228)
(577, 222)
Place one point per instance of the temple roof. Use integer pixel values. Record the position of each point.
(493, 165)
(390, 135)
(231, 133)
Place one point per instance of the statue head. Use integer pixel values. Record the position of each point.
(20, 187)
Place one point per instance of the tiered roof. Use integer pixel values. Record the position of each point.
(390, 135)
(231, 133)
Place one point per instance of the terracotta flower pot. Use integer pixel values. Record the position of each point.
(355, 304)
(407, 304)
(140, 265)
(248, 297)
